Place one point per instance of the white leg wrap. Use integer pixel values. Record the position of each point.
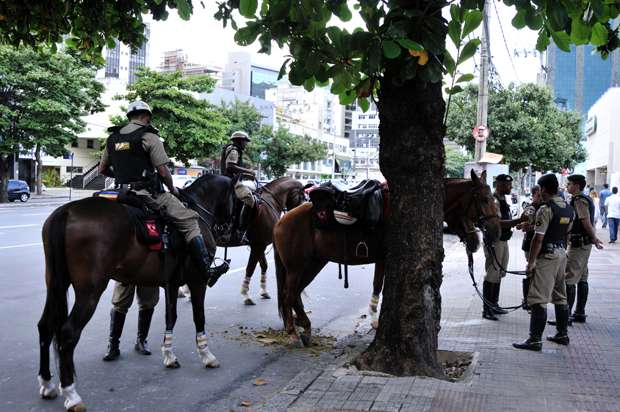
(245, 287)
(374, 302)
(207, 358)
(170, 358)
(47, 389)
(263, 284)
(71, 396)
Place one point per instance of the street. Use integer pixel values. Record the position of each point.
(139, 383)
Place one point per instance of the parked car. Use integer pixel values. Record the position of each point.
(18, 189)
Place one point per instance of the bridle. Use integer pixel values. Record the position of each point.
(469, 224)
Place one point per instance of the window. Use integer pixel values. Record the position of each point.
(74, 143)
(90, 144)
(74, 169)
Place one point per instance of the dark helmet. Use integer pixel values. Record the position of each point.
(240, 135)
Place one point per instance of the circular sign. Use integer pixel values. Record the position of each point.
(481, 133)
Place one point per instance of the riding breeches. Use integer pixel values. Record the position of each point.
(122, 297)
(548, 284)
(577, 264)
(185, 220)
(243, 191)
(495, 268)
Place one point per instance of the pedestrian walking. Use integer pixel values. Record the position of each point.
(582, 237)
(597, 206)
(612, 209)
(605, 193)
(496, 255)
(547, 263)
(528, 225)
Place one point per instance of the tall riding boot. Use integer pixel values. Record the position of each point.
(579, 315)
(561, 318)
(570, 298)
(526, 288)
(496, 309)
(144, 324)
(538, 319)
(203, 258)
(117, 321)
(488, 294)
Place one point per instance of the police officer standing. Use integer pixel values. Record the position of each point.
(232, 165)
(547, 263)
(496, 255)
(528, 226)
(582, 237)
(136, 158)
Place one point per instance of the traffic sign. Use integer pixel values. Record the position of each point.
(481, 133)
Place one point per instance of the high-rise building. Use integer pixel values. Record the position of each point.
(176, 60)
(121, 63)
(246, 78)
(580, 77)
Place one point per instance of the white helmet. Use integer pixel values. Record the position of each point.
(139, 106)
(240, 135)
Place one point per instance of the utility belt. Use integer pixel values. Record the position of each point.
(580, 240)
(151, 184)
(551, 247)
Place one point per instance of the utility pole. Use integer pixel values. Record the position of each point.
(483, 87)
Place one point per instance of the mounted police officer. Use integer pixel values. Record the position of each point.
(547, 264)
(582, 237)
(528, 226)
(496, 255)
(244, 180)
(136, 158)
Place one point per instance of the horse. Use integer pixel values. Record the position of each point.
(276, 197)
(302, 250)
(90, 241)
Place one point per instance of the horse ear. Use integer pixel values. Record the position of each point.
(474, 176)
(483, 177)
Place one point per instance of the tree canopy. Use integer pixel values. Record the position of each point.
(526, 127)
(43, 97)
(455, 162)
(191, 128)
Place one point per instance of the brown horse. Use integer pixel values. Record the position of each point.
(90, 241)
(301, 250)
(277, 197)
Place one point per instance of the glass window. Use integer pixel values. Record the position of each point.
(90, 144)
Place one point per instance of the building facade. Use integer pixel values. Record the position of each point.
(246, 78)
(177, 60)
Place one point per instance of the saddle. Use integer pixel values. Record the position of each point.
(149, 225)
(362, 205)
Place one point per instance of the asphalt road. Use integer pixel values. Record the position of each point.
(138, 383)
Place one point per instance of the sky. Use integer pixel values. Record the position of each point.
(205, 41)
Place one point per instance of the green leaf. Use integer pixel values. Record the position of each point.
(580, 32)
(533, 20)
(282, 71)
(454, 90)
(296, 74)
(472, 21)
(562, 40)
(469, 50)
(363, 103)
(184, 7)
(247, 35)
(455, 13)
(518, 20)
(410, 44)
(343, 12)
(247, 8)
(543, 40)
(454, 31)
(465, 78)
(449, 64)
(347, 97)
(391, 50)
(599, 35)
(309, 84)
(558, 18)
(598, 8)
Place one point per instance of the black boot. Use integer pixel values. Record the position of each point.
(526, 288)
(144, 324)
(579, 315)
(561, 317)
(488, 293)
(570, 298)
(538, 319)
(117, 321)
(203, 258)
(496, 309)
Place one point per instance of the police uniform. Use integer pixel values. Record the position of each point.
(547, 284)
(245, 184)
(530, 215)
(579, 251)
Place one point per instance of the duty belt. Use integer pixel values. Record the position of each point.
(551, 247)
(580, 240)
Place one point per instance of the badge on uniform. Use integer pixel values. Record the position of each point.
(564, 220)
(121, 146)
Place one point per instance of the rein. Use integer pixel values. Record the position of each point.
(193, 203)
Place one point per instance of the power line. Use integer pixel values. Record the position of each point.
(505, 42)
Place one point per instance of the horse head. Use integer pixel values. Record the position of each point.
(482, 211)
(215, 195)
(287, 192)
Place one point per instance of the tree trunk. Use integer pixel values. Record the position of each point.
(412, 160)
(4, 178)
(37, 155)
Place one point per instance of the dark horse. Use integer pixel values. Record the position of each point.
(277, 197)
(302, 250)
(90, 241)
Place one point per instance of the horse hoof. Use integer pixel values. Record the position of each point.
(249, 302)
(305, 339)
(80, 407)
(213, 364)
(173, 365)
(374, 324)
(295, 343)
(265, 295)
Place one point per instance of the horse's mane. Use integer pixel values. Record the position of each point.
(276, 181)
(205, 179)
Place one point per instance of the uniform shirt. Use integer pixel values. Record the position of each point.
(545, 214)
(613, 206)
(151, 143)
(232, 157)
(530, 214)
(582, 208)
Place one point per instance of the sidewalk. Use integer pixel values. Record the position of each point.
(585, 376)
(51, 197)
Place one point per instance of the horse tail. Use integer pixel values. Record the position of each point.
(58, 281)
(281, 281)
